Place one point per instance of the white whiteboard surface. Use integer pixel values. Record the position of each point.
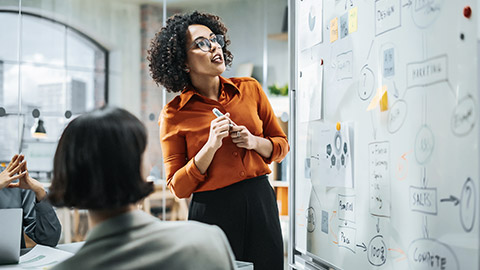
(414, 199)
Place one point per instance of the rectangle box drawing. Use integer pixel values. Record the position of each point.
(346, 238)
(379, 174)
(344, 66)
(428, 72)
(423, 200)
(346, 207)
(387, 16)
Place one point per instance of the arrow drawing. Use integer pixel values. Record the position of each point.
(425, 227)
(403, 257)
(331, 231)
(378, 225)
(362, 246)
(452, 198)
(369, 50)
(395, 93)
(424, 180)
(408, 4)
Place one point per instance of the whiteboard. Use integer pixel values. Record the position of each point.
(385, 134)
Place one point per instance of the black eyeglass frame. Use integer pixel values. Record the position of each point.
(219, 39)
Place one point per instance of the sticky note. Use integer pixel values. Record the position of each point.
(376, 99)
(352, 20)
(333, 30)
(388, 62)
(384, 102)
(344, 25)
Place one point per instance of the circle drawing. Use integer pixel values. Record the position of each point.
(468, 205)
(366, 83)
(425, 13)
(424, 145)
(397, 116)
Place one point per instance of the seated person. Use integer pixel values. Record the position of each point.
(99, 165)
(40, 222)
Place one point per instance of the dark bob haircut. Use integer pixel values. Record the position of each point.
(168, 52)
(97, 164)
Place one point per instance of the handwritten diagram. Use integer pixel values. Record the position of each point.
(402, 191)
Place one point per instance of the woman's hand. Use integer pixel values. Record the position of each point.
(27, 182)
(219, 129)
(242, 137)
(12, 172)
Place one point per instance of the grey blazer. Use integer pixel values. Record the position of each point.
(136, 240)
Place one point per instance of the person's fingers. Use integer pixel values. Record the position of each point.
(10, 164)
(14, 163)
(18, 176)
(223, 134)
(241, 145)
(220, 122)
(222, 130)
(17, 169)
(235, 129)
(13, 185)
(227, 115)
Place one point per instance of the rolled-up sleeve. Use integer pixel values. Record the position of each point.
(182, 174)
(40, 220)
(271, 128)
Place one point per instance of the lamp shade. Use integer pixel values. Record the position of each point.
(40, 131)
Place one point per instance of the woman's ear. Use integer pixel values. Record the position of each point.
(186, 68)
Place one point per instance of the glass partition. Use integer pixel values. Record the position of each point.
(49, 74)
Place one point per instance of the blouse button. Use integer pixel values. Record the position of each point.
(242, 173)
(235, 154)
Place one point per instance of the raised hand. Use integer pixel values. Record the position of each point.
(27, 182)
(13, 171)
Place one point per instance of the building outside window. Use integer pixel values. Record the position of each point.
(49, 74)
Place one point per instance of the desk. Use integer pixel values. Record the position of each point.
(71, 247)
(74, 247)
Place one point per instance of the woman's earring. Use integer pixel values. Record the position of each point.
(187, 70)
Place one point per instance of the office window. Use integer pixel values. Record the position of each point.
(49, 73)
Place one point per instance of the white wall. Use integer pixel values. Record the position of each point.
(245, 20)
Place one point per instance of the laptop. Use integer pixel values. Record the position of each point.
(10, 235)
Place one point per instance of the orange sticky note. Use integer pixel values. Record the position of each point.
(376, 99)
(384, 102)
(333, 30)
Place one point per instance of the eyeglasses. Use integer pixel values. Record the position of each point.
(205, 44)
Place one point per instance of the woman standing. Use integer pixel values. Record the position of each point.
(223, 161)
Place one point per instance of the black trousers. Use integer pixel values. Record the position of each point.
(248, 214)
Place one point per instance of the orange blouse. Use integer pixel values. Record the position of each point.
(185, 127)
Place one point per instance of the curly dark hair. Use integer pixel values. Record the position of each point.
(167, 53)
